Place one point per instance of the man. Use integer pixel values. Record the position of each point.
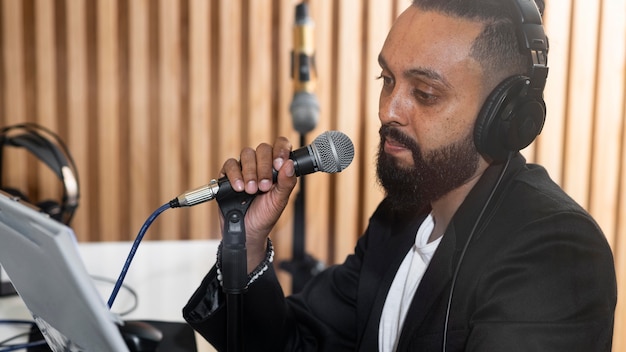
(470, 250)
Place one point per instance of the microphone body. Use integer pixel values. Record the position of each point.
(330, 152)
(304, 107)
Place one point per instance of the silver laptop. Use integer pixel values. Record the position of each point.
(41, 258)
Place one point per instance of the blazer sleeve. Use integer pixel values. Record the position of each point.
(263, 312)
(320, 317)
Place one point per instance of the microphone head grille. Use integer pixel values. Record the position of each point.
(333, 151)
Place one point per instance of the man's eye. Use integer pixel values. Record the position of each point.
(425, 98)
(386, 79)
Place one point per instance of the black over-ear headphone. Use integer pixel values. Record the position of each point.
(513, 114)
(56, 155)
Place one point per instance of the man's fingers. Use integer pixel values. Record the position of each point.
(264, 166)
(254, 171)
(282, 149)
(232, 169)
(286, 178)
(249, 170)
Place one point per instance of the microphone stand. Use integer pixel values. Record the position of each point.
(304, 110)
(300, 276)
(302, 266)
(234, 206)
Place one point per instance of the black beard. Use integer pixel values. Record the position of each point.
(410, 189)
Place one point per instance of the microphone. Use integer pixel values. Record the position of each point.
(304, 107)
(330, 152)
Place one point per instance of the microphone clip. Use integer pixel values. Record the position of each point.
(234, 206)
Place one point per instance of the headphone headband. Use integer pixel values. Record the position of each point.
(514, 113)
(533, 41)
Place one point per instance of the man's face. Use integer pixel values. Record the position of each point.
(432, 92)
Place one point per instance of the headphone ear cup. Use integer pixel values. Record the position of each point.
(509, 119)
(52, 153)
(51, 208)
(16, 193)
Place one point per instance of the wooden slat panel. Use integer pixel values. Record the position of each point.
(142, 184)
(78, 117)
(226, 118)
(15, 89)
(550, 143)
(399, 7)
(348, 116)
(280, 82)
(201, 165)
(257, 72)
(124, 113)
(170, 119)
(108, 125)
(609, 119)
(46, 104)
(379, 20)
(282, 34)
(3, 86)
(317, 192)
(581, 87)
(229, 95)
(153, 96)
(609, 100)
(619, 249)
(30, 88)
(608, 159)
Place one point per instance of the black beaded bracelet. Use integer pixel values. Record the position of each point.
(257, 272)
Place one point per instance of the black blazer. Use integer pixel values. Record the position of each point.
(538, 275)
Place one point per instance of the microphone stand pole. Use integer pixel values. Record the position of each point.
(304, 109)
(300, 269)
(302, 266)
(234, 261)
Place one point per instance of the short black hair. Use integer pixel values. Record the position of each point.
(496, 48)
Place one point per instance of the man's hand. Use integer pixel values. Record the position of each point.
(253, 174)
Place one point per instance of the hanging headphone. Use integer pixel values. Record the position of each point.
(514, 113)
(55, 155)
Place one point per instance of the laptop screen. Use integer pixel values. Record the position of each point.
(41, 258)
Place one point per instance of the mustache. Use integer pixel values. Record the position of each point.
(390, 132)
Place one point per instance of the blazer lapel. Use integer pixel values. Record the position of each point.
(434, 286)
(388, 247)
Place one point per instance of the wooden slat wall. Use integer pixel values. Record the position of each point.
(153, 95)
(583, 141)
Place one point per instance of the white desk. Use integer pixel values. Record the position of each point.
(164, 274)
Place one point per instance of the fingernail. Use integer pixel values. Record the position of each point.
(290, 169)
(238, 186)
(251, 187)
(278, 163)
(265, 185)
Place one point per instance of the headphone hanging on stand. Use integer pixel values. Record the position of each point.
(52, 152)
(514, 113)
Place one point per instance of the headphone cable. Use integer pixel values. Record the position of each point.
(467, 242)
